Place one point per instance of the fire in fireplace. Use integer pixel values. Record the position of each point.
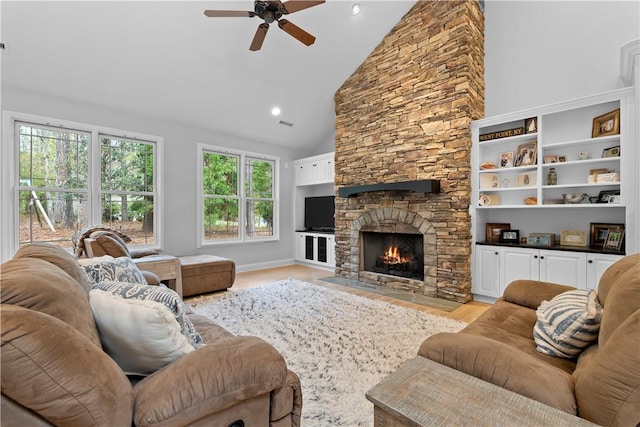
(396, 254)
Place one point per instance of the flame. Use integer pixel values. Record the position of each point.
(392, 256)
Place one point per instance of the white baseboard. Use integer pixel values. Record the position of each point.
(263, 265)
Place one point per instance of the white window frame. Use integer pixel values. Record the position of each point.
(242, 238)
(9, 157)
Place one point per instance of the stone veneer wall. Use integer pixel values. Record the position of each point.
(405, 115)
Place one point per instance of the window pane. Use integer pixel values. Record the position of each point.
(220, 174)
(220, 219)
(259, 178)
(259, 218)
(55, 158)
(51, 216)
(131, 215)
(126, 165)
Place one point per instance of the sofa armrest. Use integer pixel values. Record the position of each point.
(531, 293)
(208, 380)
(500, 364)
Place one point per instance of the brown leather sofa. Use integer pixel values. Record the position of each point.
(601, 385)
(55, 372)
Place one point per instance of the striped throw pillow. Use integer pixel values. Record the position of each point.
(568, 323)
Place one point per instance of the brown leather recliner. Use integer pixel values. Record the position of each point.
(55, 372)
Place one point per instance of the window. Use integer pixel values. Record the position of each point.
(238, 196)
(72, 175)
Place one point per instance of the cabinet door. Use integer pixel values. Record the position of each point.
(597, 264)
(487, 278)
(321, 171)
(309, 248)
(564, 267)
(304, 173)
(299, 246)
(518, 263)
(331, 249)
(323, 255)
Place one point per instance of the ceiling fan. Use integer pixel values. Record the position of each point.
(270, 11)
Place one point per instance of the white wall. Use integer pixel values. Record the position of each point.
(542, 52)
(180, 141)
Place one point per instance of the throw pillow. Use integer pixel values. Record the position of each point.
(159, 294)
(105, 268)
(141, 335)
(568, 323)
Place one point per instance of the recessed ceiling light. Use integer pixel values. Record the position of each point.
(275, 111)
(355, 9)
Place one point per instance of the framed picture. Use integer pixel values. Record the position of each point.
(510, 236)
(489, 181)
(527, 154)
(506, 159)
(614, 240)
(489, 200)
(611, 151)
(598, 233)
(573, 238)
(493, 231)
(541, 239)
(531, 125)
(526, 179)
(550, 159)
(604, 196)
(606, 124)
(562, 158)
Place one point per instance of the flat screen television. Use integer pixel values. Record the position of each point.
(318, 213)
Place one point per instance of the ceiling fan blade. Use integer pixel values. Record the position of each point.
(261, 33)
(296, 32)
(296, 5)
(228, 13)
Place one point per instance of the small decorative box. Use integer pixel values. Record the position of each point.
(608, 177)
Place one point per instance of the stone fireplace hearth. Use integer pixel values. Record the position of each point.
(405, 116)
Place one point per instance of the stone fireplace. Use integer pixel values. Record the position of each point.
(404, 116)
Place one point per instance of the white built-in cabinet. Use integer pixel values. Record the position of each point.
(313, 176)
(497, 266)
(522, 196)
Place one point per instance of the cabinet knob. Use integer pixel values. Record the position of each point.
(590, 261)
(541, 257)
(495, 253)
(535, 256)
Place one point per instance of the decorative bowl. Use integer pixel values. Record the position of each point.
(574, 198)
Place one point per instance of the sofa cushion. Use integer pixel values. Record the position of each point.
(607, 379)
(160, 294)
(58, 257)
(531, 293)
(498, 363)
(52, 369)
(106, 268)
(623, 297)
(111, 243)
(568, 323)
(40, 285)
(141, 335)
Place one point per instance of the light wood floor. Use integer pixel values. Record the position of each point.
(467, 312)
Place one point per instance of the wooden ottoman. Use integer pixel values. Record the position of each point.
(206, 273)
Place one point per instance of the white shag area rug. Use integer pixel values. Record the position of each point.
(339, 344)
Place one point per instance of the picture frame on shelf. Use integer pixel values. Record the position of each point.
(506, 159)
(611, 152)
(489, 200)
(604, 196)
(573, 238)
(614, 240)
(527, 154)
(510, 236)
(562, 158)
(526, 179)
(598, 233)
(606, 124)
(550, 159)
(546, 240)
(531, 125)
(493, 231)
(489, 181)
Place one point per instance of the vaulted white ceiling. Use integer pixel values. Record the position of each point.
(166, 60)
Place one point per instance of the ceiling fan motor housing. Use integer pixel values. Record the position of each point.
(270, 11)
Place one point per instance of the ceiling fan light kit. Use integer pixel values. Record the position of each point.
(272, 11)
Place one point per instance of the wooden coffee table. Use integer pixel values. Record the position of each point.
(425, 393)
